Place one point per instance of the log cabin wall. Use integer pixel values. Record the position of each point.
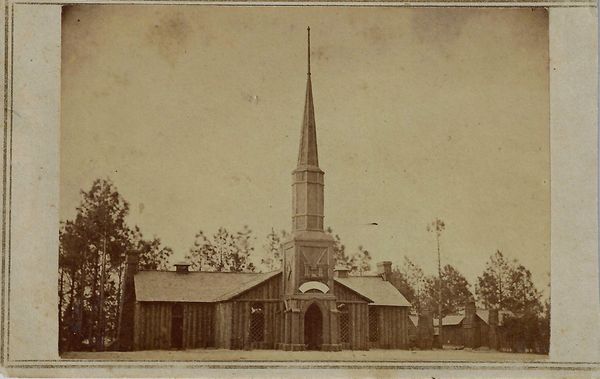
(344, 294)
(223, 314)
(267, 297)
(392, 328)
(453, 335)
(359, 321)
(198, 325)
(152, 326)
(358, 315)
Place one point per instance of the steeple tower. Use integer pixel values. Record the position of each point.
(308, 259)
(308, 177)
(308, 155)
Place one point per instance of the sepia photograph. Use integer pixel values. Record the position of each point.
(304, 183)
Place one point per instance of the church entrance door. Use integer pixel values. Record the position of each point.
(313, 327)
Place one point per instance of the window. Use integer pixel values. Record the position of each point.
(373, 324)
(344, 323)
(257, 322)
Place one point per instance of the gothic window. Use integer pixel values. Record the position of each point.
(373, 324)
(344, 323)
(257, 322)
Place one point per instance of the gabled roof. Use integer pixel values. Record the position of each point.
(484, 314)
(379, 291)
(200, 287)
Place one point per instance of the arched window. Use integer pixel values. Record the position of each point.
(344, 323)
(257, 322)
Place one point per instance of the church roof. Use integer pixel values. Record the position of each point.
(376, 289)
(197, 287)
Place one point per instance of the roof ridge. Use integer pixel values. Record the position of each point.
(206, 272)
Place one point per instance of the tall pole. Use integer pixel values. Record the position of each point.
(440, 326)
(308, 51)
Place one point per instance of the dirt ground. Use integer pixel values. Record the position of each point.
(278, 355)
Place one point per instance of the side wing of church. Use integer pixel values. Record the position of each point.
(305, 305)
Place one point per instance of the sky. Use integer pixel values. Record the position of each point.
(194, 112)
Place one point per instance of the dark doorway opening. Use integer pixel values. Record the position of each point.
(313, 327)
(177, 326)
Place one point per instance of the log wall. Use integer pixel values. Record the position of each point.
(393, 328)
(198, 325)
(152, 326)
(269, 295)
(223, 337)
(358, 313)
(344, 294)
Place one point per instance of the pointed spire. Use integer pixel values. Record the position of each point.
(308, 30)
(308, 155)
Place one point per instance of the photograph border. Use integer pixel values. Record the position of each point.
(7, 162)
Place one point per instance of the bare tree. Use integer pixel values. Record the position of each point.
(437, 226)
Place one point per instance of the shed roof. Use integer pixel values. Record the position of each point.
(449, 320)
(379, 291)
(200, 287)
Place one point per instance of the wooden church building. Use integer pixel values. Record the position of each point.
(308, 304)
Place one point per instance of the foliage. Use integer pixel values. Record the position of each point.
(339, 250)
(409, 279)
(437, 226)
(507, 285)
(455, 291)
(360, 262)
(224, 251)
(91, 266)
(152, 255)
(273, 250)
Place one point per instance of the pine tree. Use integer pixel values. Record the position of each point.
(360, 262)
(91, 259)
(225, 251)
(273, 250)
(455, 291)
(339, 250)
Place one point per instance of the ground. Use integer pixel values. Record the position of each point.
(278, 355)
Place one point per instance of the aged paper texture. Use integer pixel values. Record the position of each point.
(217, 189)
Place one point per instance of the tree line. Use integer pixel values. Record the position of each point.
(94, 244)
(505, 285)
(92, 252)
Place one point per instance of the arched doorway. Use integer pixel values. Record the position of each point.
(313, 327)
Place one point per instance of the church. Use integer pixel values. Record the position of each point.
(310, 304)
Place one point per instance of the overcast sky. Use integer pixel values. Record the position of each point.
(194, 112)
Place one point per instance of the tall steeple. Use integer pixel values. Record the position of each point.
(308, 178)
(308, 155)
(308, 255)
